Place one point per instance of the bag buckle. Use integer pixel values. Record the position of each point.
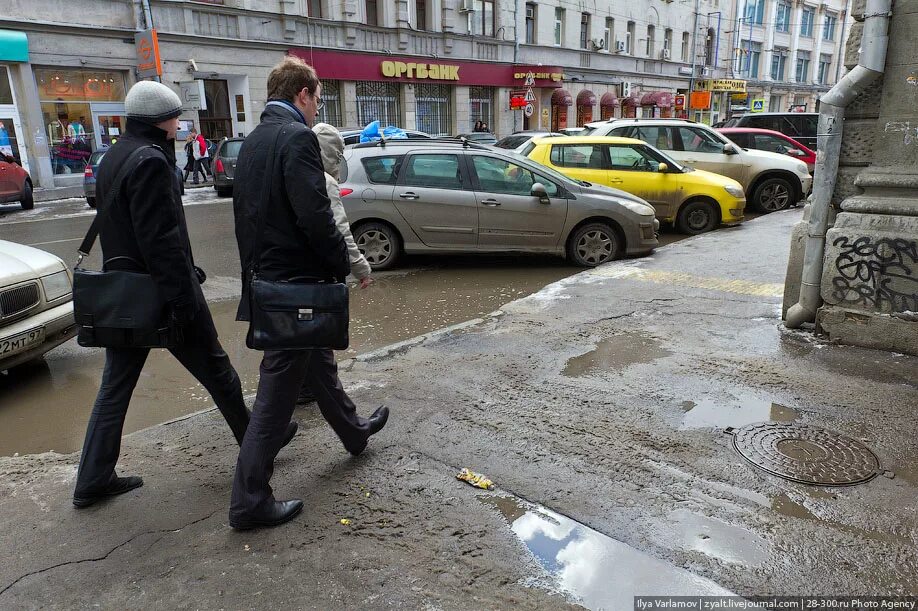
(80, 258)
(304, 314)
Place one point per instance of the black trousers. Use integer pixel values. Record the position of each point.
(200, 353)
(282, 375)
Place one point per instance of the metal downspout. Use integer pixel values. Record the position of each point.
(870, 66)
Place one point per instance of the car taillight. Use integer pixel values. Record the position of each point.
(219, 166)
(88, 172)
(345, 192)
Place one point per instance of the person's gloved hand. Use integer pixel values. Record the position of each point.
(201, 274)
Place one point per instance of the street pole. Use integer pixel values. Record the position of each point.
(694, 55)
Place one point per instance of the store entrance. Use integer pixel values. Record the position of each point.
(216, 121)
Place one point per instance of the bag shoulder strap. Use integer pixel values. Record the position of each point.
(110, 198)
(265, 196)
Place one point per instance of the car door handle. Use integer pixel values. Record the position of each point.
(408, 195)
(616, 181)
(490, 202)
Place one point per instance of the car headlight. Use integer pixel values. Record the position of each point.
(734, 190)
(56, 285)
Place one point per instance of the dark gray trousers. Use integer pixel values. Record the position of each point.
(281, 375)
(200, 353)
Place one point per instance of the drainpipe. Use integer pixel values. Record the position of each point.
(870, 66)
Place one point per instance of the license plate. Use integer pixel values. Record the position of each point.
(22, 342)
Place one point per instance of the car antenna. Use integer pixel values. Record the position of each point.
(465, 142)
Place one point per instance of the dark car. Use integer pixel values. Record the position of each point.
(92, 168)
(15, 184)
(801, 126)
(224, 165)
(517, 139)
(351, 135)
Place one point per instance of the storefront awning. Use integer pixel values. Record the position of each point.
(586, 98)
(630, 101)
(14, 46)
(608, 99)
(561, 97)
(660, 99)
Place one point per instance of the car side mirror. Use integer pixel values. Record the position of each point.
(539, 190)
(730, 149)
(662, 168)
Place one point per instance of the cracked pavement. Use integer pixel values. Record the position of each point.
(580, 398)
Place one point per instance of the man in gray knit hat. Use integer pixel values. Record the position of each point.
(143, 229)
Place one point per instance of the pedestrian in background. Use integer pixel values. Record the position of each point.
(477, 126)
(144, 230)
(201, 156)
(331, 145)
(298, 240)
(190, 165)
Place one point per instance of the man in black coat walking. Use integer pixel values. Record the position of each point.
(144, 230)
(299, 240)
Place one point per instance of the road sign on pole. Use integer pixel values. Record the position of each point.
(530, 96)
(529, 109)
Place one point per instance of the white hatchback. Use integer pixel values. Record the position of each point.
(36, 303)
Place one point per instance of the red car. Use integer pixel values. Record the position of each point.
(15, 184)
(771, 141)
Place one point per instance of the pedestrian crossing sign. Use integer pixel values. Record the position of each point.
(758, 105)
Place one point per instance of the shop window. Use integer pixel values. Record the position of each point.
(67, 85)
(6, 93)
(377, 102)
(558, 118)
(331, 112)
(9, 140)
(480, 106)
(433, 109)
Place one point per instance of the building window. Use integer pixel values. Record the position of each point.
(651, 33)
(782, 19)
(481, 107)
(314, 8)
(483, 18)
(608, 34)
(331, 112)
(559, 27)
(377, 102)
(807, 18)
(776, 103)
(685, 46)
(584, 30)
(828, 27)
(530, 23)
(755, 11)
(420, 14)
(822, 76)
(667, 43)
(803, 66)
(778, 61)
(372, 10)
(433, 109)
(709, 48)
(752, 53)
(629, 39)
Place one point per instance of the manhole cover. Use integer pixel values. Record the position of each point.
(806, 454)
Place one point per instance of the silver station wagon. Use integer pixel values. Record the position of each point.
(444, 196)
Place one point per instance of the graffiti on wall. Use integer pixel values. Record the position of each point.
(881, 274)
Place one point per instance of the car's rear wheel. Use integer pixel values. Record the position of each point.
(773, 194)
(379, 243)
(593, 244)
(696, 217)
(91, 201)
(225, 192)
(28, 201)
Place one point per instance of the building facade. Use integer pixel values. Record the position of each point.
(438, 66)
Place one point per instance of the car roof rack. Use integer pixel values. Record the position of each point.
(421, 142)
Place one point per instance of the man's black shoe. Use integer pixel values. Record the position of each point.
(118, 485)
(291, 431)
(377, 422)
(273, 514)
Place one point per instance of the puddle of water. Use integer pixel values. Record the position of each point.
(593, 569)
(718, 539)
(784, 505)
(616, 353)
(740, 411)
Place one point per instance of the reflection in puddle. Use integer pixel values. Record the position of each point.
(739, 412)
(718, 539)
(595, 570)
(616, 352)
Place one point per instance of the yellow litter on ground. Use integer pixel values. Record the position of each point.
(475, 479)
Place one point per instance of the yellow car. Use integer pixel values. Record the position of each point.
(695, 200)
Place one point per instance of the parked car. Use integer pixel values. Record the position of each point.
(772, 141)
(15, 183)
(224, 165)
(443, 196)
(573, 131)
(771, 181)
(479, 137)
(517, 140)
(36, 303)
(92, 169)
(695, 200)
(351, 135)
(801, 126)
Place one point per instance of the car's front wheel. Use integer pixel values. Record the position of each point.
(773, 194)
(28, 200)
(696, 217)
(593, 244)
(379, 243)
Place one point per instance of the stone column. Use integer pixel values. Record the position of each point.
(796, 17)
(769, 46)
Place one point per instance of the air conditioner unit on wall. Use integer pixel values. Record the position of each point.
(467, 6)
(598, 44)
(619, 46)
(665, 54)
(626, 90)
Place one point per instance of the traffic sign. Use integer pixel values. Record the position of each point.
(529, 109)
(530, 79)
(530, 97)
(758, 105)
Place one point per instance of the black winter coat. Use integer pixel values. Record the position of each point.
(147, 222)
(300, 238)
